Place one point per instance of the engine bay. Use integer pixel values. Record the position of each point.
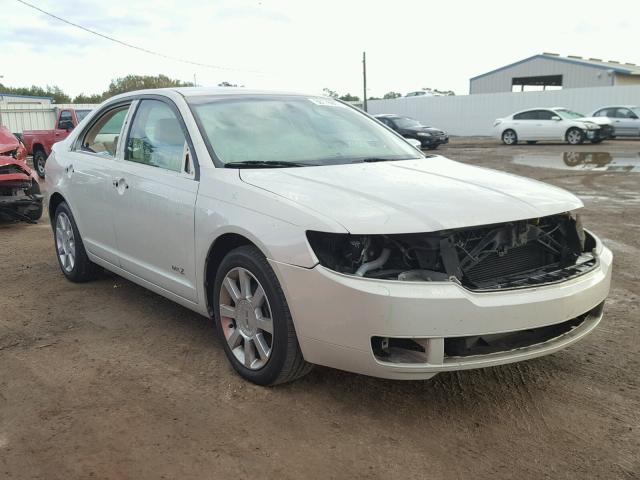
(506, 255)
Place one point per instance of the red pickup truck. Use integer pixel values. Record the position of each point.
(39, 142)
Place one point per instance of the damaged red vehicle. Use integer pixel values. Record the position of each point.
(20, 197)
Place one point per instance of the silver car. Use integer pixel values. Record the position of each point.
(625, 119)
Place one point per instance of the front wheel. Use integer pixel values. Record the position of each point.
(575, 136)
(39, 160)
(509, 137)
(252, 313)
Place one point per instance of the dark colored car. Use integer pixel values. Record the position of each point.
(428, 137)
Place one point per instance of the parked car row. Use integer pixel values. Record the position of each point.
(562, 124)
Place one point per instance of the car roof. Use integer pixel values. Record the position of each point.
(387, 115)
(617, 106)
(207, 91)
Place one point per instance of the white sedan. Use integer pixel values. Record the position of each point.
(551, 124)
(312, 234)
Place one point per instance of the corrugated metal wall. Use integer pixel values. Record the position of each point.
(475, 114)
(18, 117)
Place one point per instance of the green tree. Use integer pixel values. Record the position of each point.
(140, 82)
(54, 92)
(349, 98)
(82, 98)
(330, 93)
(390, 95)
(227, 84)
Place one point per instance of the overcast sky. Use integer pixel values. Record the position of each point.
(304, 45)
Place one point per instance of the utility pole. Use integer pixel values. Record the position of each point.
(364, 78)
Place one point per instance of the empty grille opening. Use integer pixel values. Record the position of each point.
(503, 342)
(398, 350)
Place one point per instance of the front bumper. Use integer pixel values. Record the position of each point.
(22, 207)
(603, 133)
(336, 316)
(433, 141)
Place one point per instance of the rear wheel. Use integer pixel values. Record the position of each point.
(39, 159)
(252, 313)
(72, 257)
(575, 136)
(509, 137)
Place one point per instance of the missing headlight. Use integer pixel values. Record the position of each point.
(506, 255)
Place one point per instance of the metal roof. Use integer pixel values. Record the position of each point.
(23, 96)
(618, 67)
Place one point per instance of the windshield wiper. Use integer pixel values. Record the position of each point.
(265, 164)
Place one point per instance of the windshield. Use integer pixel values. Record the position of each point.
(568, 114)
(293, 129)
(80, 114)
(406, 122)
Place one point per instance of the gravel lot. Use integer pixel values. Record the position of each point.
(108, 380)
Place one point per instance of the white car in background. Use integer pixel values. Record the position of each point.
(311, 233)
(625, 119)
(551, 124)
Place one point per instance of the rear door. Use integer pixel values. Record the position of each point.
(92, 164)
(156, 191)
(524, 123)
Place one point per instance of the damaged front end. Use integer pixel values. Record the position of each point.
(491, 257)
(20, 197)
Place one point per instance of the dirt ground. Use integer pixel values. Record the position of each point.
(108, 380)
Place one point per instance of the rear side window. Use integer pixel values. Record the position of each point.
(104, 134)
(530, 115)
(66, 121)
(156, 137)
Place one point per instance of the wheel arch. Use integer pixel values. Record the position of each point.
(38, 147)
(218, 249)
(55, 199)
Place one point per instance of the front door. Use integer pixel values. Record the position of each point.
(156, 195)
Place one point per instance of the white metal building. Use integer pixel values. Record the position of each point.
(549, 71)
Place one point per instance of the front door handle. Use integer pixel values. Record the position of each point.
(69, 169)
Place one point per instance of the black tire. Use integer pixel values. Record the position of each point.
(509, 137)
(39, 160)
(531, 142)
(286, 362)
(83, 269)
(574, 136)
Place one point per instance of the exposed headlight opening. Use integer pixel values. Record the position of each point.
(506, 255)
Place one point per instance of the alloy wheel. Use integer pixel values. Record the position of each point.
(246, 318)
(65, 242)
(509, 137)
(574, 137)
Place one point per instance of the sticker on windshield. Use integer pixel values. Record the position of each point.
(325, 102)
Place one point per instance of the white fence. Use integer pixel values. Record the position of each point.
(18, 118)
(475, 114)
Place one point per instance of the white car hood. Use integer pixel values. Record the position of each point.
(411, 196)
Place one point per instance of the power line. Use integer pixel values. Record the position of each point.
(135, 47)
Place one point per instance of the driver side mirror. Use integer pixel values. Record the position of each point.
(556, 118)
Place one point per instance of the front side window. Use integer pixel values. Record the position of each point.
(65, 122)
(623, 113)
(156, 137)
(293, 129)
(104, 135)
(545, 115)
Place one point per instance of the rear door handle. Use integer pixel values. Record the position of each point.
(69, 169)
(120, 184)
